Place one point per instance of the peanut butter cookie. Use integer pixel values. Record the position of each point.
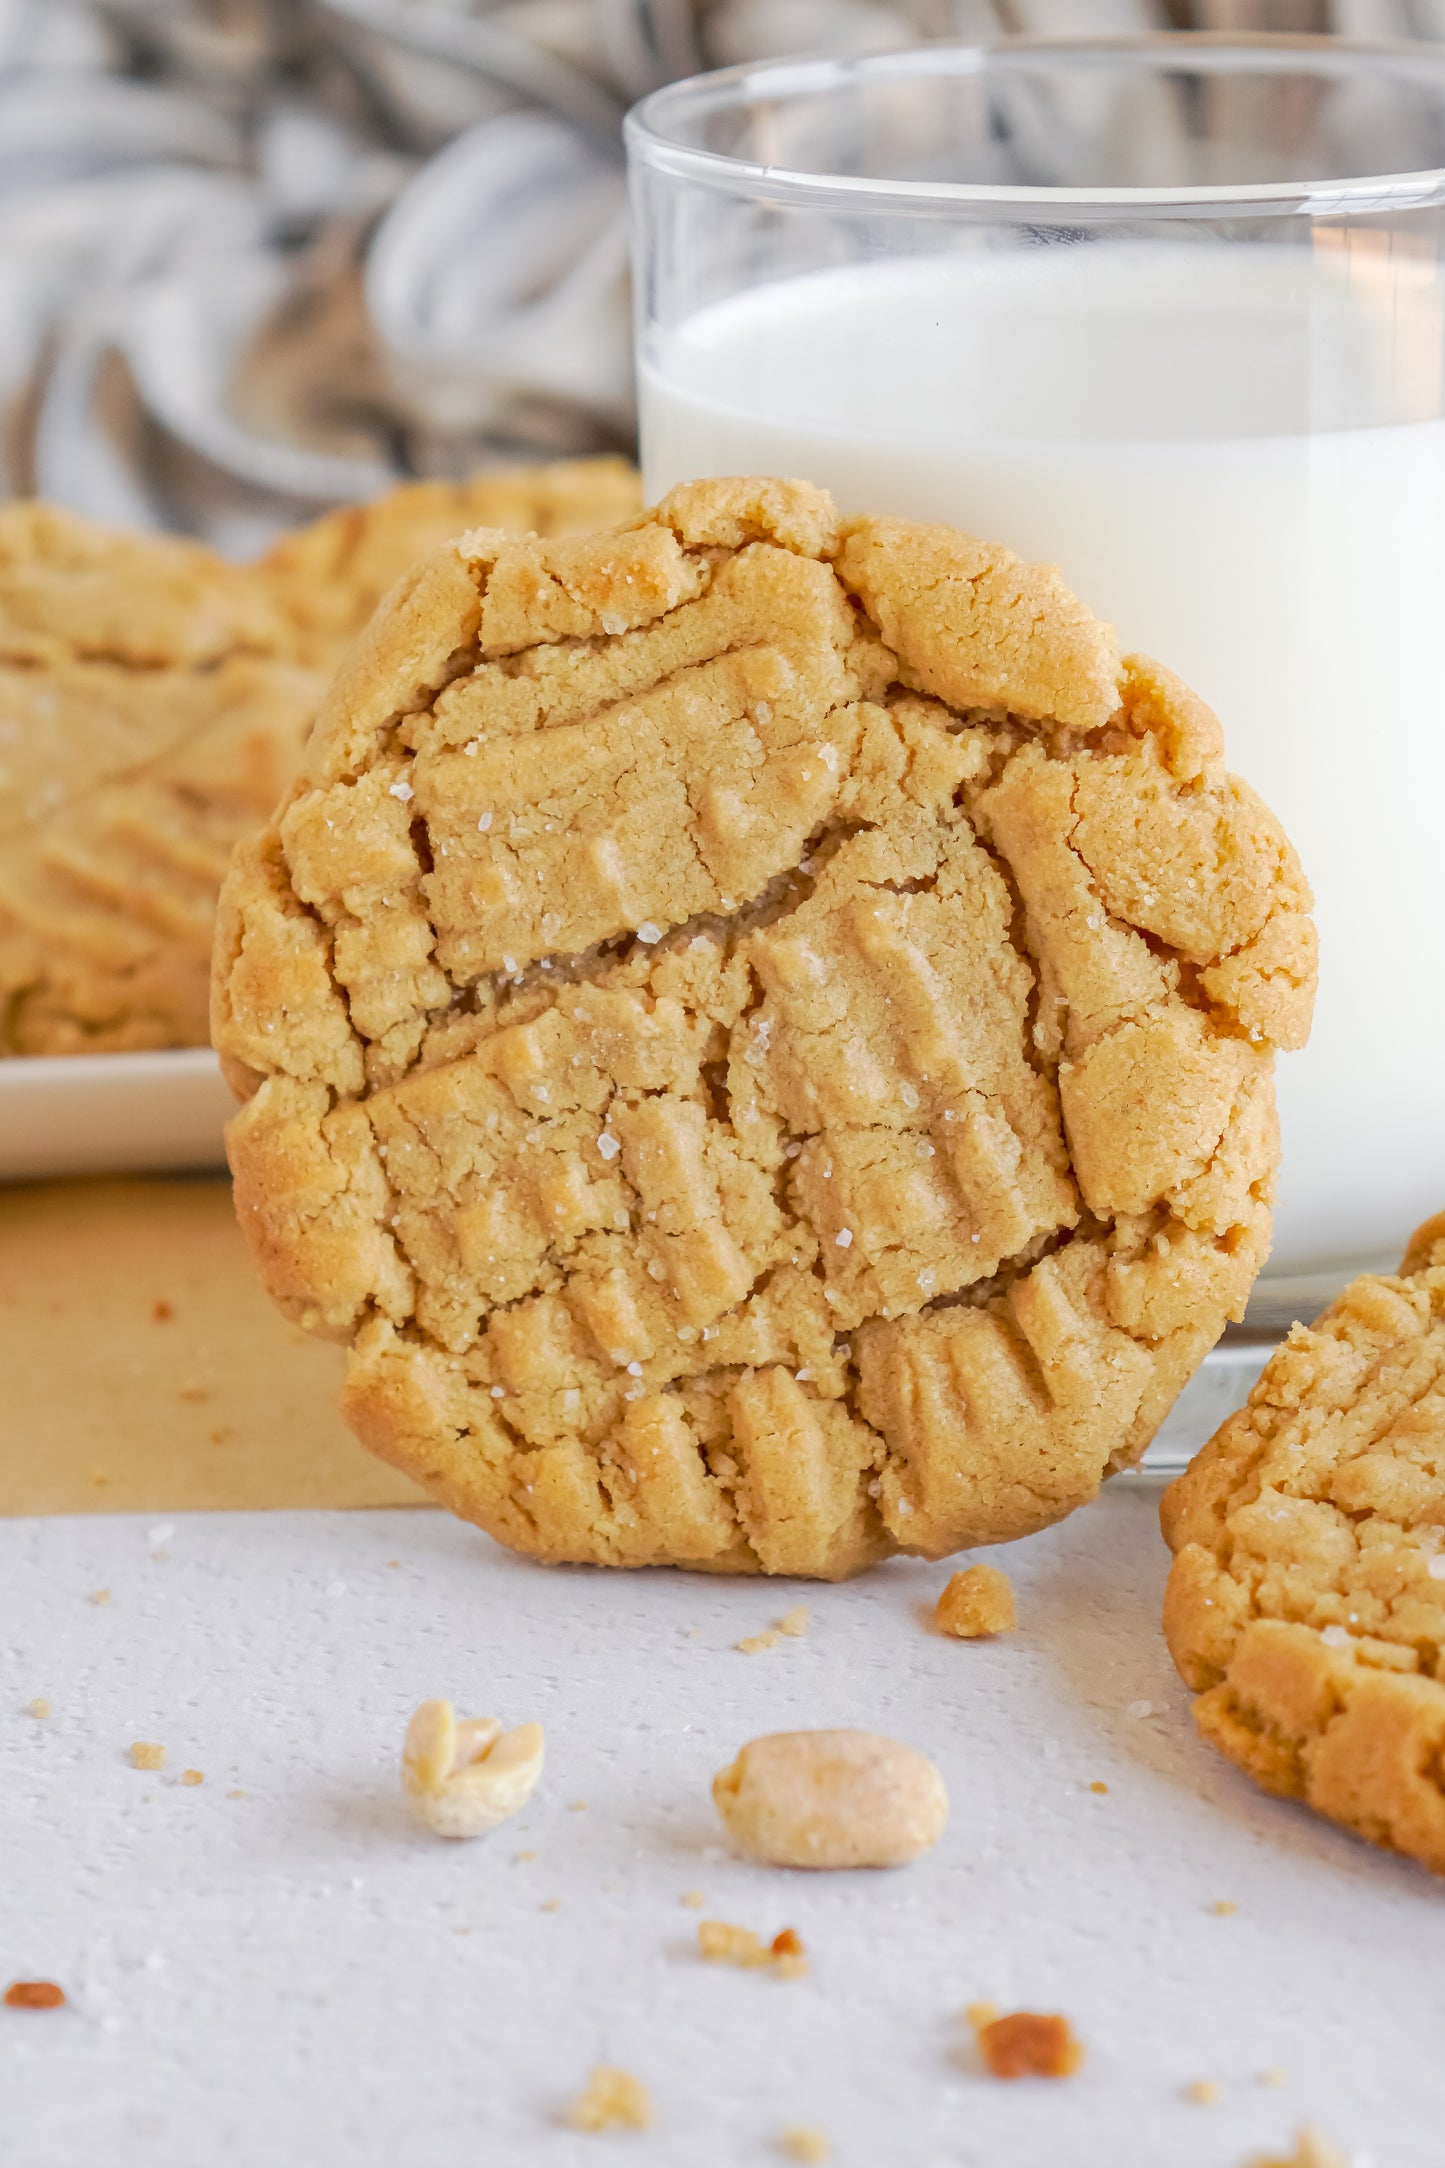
(150, 713)
(1306, 1603)
(328, 578)
(757, 1030)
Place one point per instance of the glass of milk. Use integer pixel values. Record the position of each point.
(1169, 312)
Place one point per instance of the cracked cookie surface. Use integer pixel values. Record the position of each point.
(150, 713)
(1306, 1602)
(758, 1032)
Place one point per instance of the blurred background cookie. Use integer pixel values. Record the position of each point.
(151, 712)
(768, 1062)
(1306, 1603)
(154, 700)
(328, 577)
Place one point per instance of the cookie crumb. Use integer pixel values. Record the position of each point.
(550, 1904)
(1098, 1786)
(39, 1707)
(693, 1899)
(100, 1595)
(147, 1754)
(1204, 2092)
(614, 2100)
(34, 1995)
(1027, 2044)
(1274, 2076)
(235, 1795)
(521, 1859)
(790, 1960)
(1312, 2149)
(790, 1627)
(192, 1777)
(1223, 1909)
(976, 1603)
(576, 1806)
(801, 2142)
(721, 1943)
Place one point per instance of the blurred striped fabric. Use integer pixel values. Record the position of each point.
(258, 257)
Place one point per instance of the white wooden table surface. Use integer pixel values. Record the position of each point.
(277, 1967)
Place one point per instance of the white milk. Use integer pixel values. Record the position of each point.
(1139, 416)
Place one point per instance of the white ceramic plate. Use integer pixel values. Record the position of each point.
(111, 1114)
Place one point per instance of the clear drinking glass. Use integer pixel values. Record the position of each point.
(1170, 312)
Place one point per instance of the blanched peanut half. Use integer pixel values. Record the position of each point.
(463, 1779)
(832, 1799)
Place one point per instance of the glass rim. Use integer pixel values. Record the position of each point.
(649, 126)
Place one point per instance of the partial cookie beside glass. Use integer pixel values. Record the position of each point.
(757, 1031)
(1306, 1602)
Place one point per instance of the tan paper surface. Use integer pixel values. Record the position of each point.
(142, 1368)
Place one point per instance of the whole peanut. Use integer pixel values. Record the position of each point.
(832, 1799)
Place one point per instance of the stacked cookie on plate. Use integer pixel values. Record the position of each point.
(150, 709)
(153, 704)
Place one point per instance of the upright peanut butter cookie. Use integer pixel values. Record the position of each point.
(758, 1032)
(1306, 1603)
(149, 715)
(328, 578)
